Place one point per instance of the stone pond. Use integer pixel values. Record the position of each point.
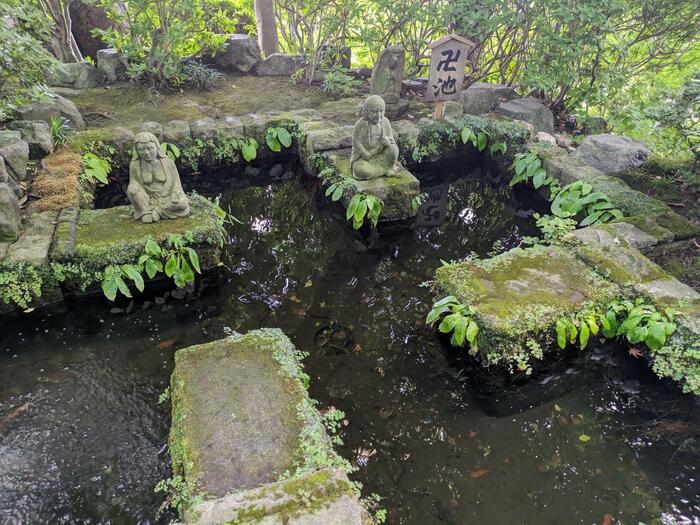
(431, 432)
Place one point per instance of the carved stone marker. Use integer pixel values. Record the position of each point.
(387, 78)
(374, 150)
(449, 55)
(154, 188)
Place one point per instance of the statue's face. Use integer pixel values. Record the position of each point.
(393, 61)
(374, 114)
(146, 151)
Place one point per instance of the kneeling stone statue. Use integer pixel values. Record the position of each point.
(374, 150)
(154, 188)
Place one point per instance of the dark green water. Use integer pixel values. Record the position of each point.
(82, 437)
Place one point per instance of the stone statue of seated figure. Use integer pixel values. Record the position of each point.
(154, 188)
(374, 150)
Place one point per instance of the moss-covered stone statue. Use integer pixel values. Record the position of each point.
(374, 150)
(387, 74)
(154, 188)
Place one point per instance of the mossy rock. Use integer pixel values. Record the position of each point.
(520, 294)
(325, 497)
(614, 257)
(629, 201)
(241, 415)
(396, 192)
(111, 236)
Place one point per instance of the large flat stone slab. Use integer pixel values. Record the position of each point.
(612, 154)
(319, 498)
(530, 110)
(395, 192)
(242, 420)
(520, 294)
(111, 236)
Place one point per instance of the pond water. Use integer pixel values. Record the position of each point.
(83, 438)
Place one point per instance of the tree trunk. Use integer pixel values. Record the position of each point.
(65, 47)
(87, 17)
(267, 27)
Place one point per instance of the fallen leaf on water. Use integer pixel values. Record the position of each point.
(472, 433)
(167, 343)
(584, 438)
(451, 441)
(476, 474)
(557, 407)
(608, 519)
(308, 283)
(635, 352)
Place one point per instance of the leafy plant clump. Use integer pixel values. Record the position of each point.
(635, 321)
(201, 76)
(528, 167)
(456, 318)
(96, 169)
(578, 198)
(176, 259)
(277, 138)
(480, 140)
(363, 206)
(61, 130)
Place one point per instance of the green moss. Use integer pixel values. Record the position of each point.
(647, 225)
(622, 265)
(242, 372)
(518, 296)
(629, 201)
(111, 236)
(83, 141)
(131, 105)
(680, 226)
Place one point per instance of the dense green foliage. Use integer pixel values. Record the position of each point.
(24, 60)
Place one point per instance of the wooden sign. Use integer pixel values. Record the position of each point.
(449, 55)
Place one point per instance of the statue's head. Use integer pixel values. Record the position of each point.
(147, 147)
(373, 109)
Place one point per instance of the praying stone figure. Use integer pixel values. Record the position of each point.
(387, 78)
(374, 150)
(154, 188)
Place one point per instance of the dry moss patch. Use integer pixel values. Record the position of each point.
(57, 184)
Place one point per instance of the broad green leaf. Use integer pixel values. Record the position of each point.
(337, 194)
(171, 266)
(472, 332)
(123, 288)
(561, 333)
(482, 140)
(194, 259)
(352, 206)
(109, 288)
(284, 137)
(656, 336)
(584, 334)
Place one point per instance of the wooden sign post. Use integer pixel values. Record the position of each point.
(447, 60)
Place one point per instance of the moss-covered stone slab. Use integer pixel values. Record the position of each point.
(520, 294)
(564, 167)
(630, 202)
(396, 192)
(615, 256)
(111, 236)
(241, 415)
(320, 498)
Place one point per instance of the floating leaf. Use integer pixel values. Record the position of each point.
(584, 438)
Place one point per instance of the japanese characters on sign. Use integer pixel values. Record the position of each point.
(449, 55)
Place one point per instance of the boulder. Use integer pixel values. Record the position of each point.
(612, 154)
(453, 109)
(482, 97)
(10, 181)
(152, 127)
(563, 141)
(541, 136)
(176, 131)
(530, 110)
(230, 125)
(77, 76)
(122, 137)
(241, 53)
(326, 139)
(10, 219)
(55, 107)
(280, 64)
(15, 151)
(594, 125)
(203, 128)
(37, 134)
(111, 64)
